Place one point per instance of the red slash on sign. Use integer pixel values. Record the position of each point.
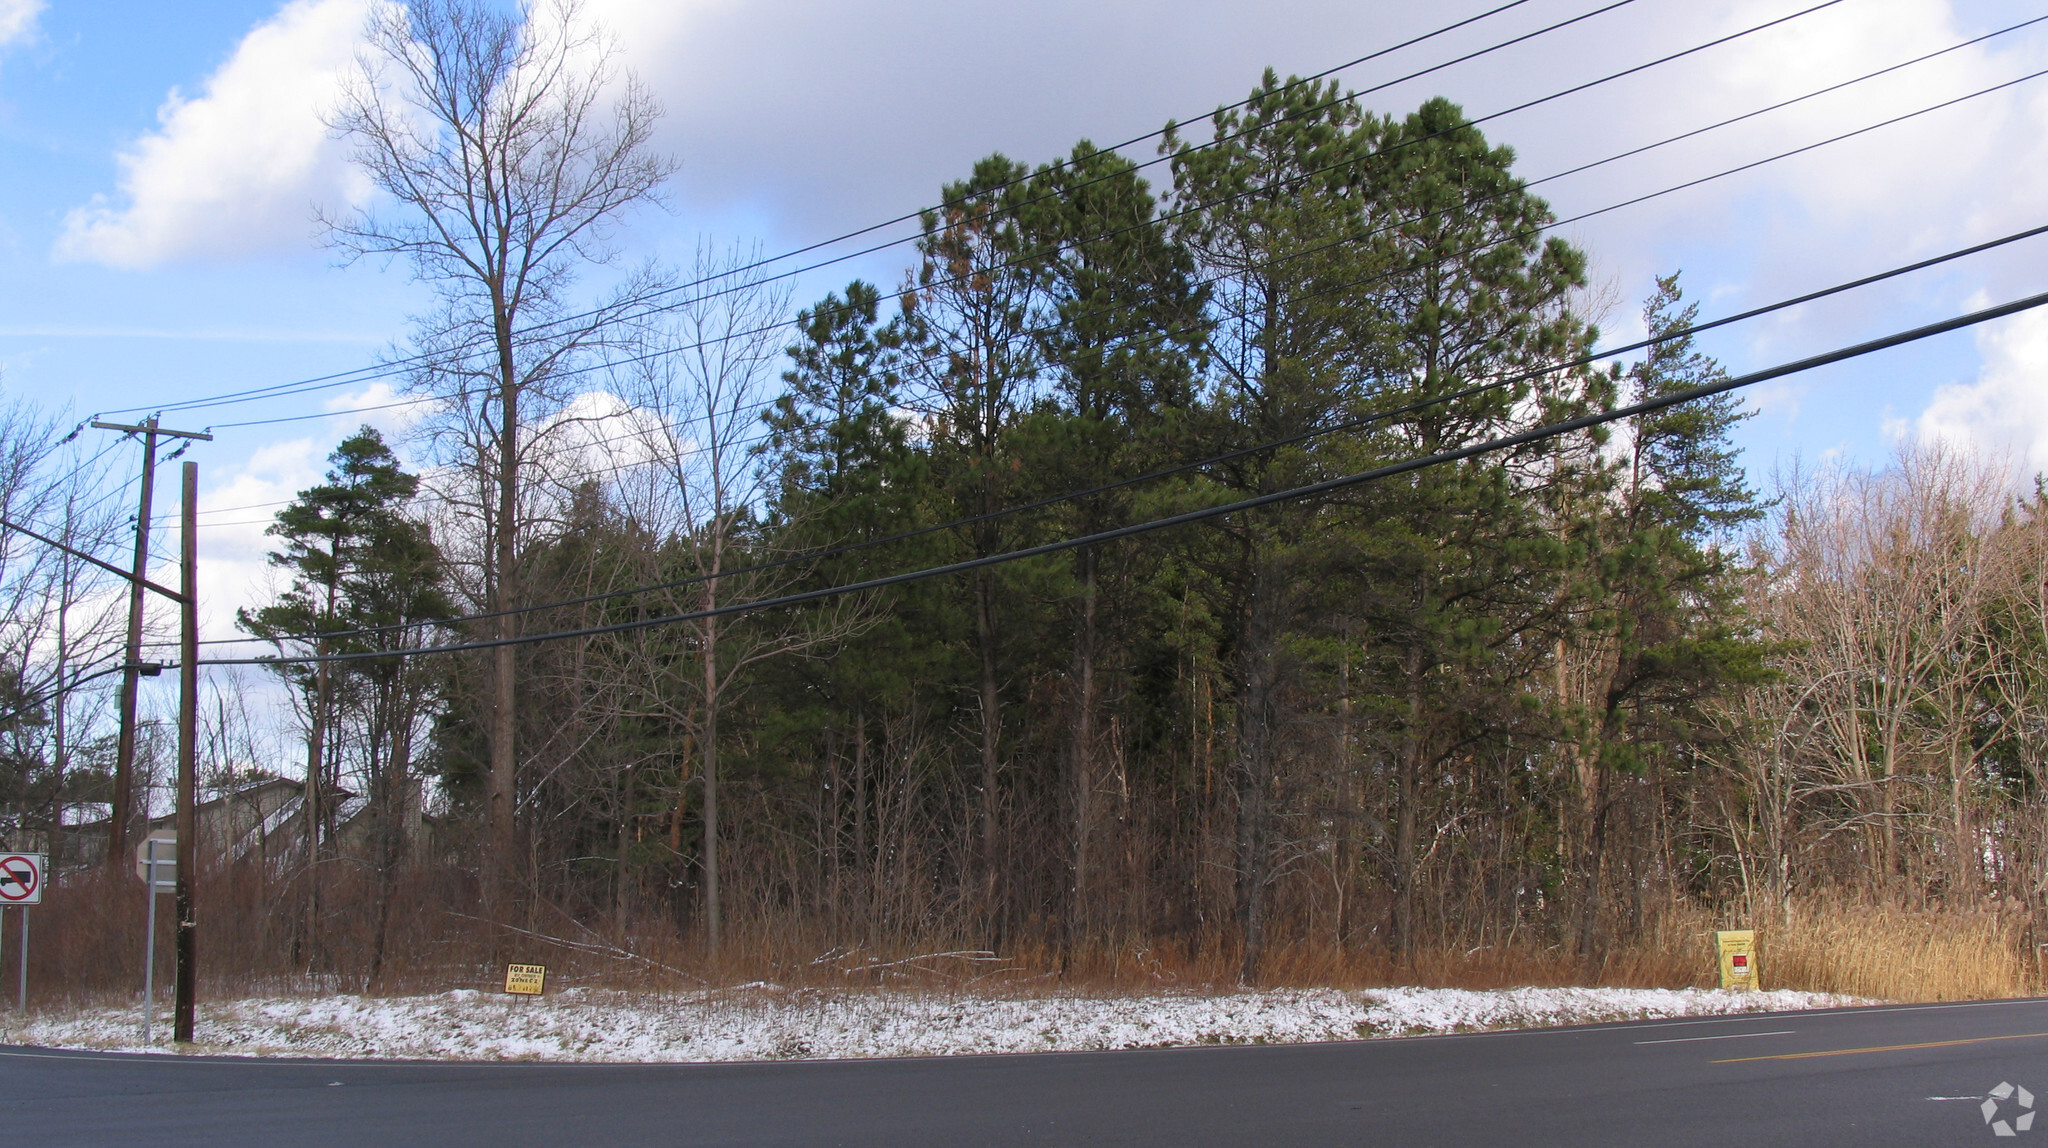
(21, 879)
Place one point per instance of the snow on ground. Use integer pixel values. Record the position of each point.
(773, 1024)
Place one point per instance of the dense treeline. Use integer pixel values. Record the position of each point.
(1538, 696)
(1514, 697)
(1203, 734)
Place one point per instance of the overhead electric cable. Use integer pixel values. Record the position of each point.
(367, 374)
(1348, 286)
(1573, 219)
(31, 705)
(432, 497)
(1584, 360)
(1487, 447)
(1309, 490)
(1480, 247)
(613, 364)
(87, 467)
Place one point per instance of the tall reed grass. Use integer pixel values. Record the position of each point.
(87, 948)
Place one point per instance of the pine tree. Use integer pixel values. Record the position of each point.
(1119, 346)
(363, 578)
(1274, 207)
(1663, 610)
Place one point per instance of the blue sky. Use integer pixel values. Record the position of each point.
(156, 236)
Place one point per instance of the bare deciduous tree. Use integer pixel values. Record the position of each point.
(59, 624)
(509, 146)
(698, 395)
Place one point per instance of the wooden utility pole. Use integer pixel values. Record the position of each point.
(187, 598)
(124, 754)
(188, 748)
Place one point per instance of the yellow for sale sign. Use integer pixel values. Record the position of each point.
(1738, 958)
(527, 979)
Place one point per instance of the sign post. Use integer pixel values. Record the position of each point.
(21, 884)
(156, 862)
(1737, 948)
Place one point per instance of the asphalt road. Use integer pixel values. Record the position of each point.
(1913, 1075)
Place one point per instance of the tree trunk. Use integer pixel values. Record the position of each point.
(860, 816)
(1081, 783)
(394, 801)
(1347, 795)
(681, 901)
(503, 786)
(1407, 792)
(1596, 858)
(991, 741)
(713, 919)
(1258, 671)
(312, 801)
(833, 839)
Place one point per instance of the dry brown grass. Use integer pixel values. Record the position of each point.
(88, 941)
(1872, 951)
(1897, 954)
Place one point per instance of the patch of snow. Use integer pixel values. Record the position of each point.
(767, 1023)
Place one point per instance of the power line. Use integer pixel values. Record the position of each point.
(1559, 223)
(367, 374)
(613, 364)
(1282, 90)
(375, 373)
(922, 531)
(1484, 246)
(1586, 359)
(86, 467)
(148, 669)
(1581, 217)
(1580, 169)
(1257, 189)
(1489, 446)
(434, 497)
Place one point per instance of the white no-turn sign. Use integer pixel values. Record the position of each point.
(21, 878)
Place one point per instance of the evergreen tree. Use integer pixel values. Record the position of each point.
(977, 296)
(1126, 321)
(363, 578)
(1274, 208)
(1663, 611)
(1458, 567)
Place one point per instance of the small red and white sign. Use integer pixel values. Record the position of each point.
(21, 878)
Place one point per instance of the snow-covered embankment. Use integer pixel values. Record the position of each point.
(764, 1023)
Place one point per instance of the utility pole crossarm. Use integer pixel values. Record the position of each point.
(150, 428)
(109, 567)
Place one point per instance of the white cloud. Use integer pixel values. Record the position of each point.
(380, 405)
(237, 169)
(873, 106)
(18, 20)
(235, 509)
(2005, 410)
(600, 433)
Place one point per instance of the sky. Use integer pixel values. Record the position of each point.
(164, 165)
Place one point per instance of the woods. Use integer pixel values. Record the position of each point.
(1545, 700)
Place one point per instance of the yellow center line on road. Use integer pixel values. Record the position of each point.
(1883, 1048)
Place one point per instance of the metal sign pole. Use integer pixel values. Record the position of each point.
(187, 976)
(23, 994)
(149, 941)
